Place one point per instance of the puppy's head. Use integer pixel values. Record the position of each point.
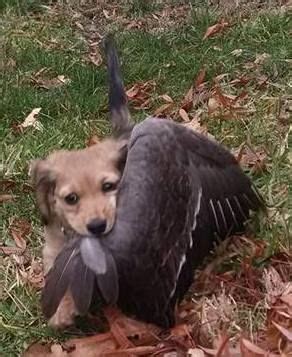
(79, 188)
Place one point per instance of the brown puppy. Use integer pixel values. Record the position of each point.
(76, 190)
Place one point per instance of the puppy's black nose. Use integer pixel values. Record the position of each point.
(97, 226)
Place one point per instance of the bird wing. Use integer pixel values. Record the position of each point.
(82, 285)
(226, 197)
(179, 191)
(71, 273)
(59, 278)
(228, 194)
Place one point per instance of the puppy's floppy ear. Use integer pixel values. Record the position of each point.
(119, 113)
(44, 180)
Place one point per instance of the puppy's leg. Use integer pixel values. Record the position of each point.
(54, 243)
(55, 240)
(64, 316)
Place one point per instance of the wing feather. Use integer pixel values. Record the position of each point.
(108, 282)
(82, 286)
(59, 278)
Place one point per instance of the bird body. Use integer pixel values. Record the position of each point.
(180, 192)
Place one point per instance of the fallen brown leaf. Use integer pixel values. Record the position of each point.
(274, 285)
(79, 25)
(200, 78)
(262, 81)
(187, 102)
(95, 57)
(166, 98)
(195, 125)
(34, 275)
(134, 24)
(213, 105)
(249, 349)
(223, 99)
(92, 346)
(255, 159)
(20, 229)
(243, 348)
(287, 299)
(222, 345)
(164, 109)
(6, 250)
(52, 83)
(31, 120)
(127, 337)
(285, 332)
(285, 109)
(133, 351)
(182, 334)
(196, 352)
(145, 104)
(279, 322)
(40, 72)
(239, 97)
(106, 14)
(261, 58)
(132, 92)
(215, 29)
(26, 188)
(92, 140)
(122, 326)
(6, 198)
(237, 52)
(7, 184)
(241, 80)
(228, 106)
(231, 352)
(217, 79)
(184, 115)
(140, 94)
(38, 349)
(196, 93)
(201, 95)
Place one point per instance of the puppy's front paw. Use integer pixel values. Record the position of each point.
(64, 316)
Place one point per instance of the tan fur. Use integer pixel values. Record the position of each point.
(82, 172)
(64, 316)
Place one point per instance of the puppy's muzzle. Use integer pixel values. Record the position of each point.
(96, 226)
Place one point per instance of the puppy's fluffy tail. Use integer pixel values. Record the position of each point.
(119, 112)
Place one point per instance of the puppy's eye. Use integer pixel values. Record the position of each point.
(71, 199)
(109, 186)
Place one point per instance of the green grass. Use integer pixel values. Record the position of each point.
(32, 40)
(22, 7)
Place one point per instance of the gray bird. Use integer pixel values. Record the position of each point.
(180, 193)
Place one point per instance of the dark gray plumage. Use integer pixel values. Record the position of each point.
(82, 286)
(107, 278)
(179, 193)
(71, 273)
(60, 277)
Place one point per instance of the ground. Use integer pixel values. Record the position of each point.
(232, 81)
